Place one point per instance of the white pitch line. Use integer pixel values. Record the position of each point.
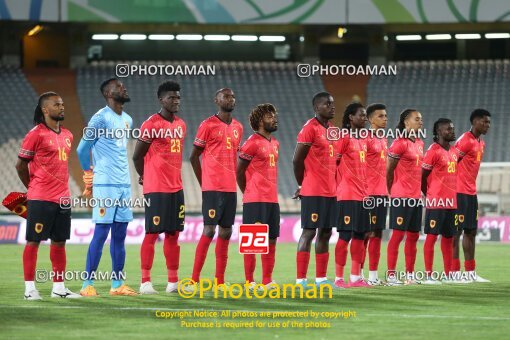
(430, 316)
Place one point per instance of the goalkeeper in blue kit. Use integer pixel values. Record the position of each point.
(107, 179)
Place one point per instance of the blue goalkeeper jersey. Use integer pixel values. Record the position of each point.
(106, 136)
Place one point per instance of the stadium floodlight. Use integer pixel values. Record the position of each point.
(272, 38)
(161, 37)
(244, 38)
(189, 37)
(497, 35)
(36, 29)
(105, 36)
(217, 37)
(133, 37)
(408, 37)
(465, 36)
(438, 36)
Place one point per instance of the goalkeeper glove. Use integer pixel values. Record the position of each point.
(88, 177)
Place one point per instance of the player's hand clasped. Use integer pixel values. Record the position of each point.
(297, 194)
(88, 177)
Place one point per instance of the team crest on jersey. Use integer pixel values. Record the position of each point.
(39, 227)
(400, 220)
(432, 224)
(275, 149)
(420, 149)
(347, 219)
(20, 209)
(212, 213)
(68, 142)
(461, 218)
(156, 220)
(374, 219)
(314, 217)
(127, 125)
(236, 134)
(454, 157)
(102, 212)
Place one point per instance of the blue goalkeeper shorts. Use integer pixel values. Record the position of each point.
(111, 204)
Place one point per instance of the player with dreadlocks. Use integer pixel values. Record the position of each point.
(43, 168)
(257, 177)
(351, 190)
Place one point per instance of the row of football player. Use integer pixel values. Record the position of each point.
(333, 179)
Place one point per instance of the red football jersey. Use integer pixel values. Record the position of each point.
(471, 154)
(352, 176)
(162, 164)
(407, 175)
(377, 152)
(442, 181)
(220, 142)
(320, 163)
(48, 154)
(262, 173)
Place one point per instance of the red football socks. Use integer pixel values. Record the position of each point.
(302, 260)
(447, 250)
(428, 252)
(394, 243)
(410, 250)
(200, 255)
(221, 259)
(469, 265)
(172, 252)
(341, 249)
(58, 262)
(268, 261)
(321, 264)
(29, 262)
(357, 249)
(147, 255)
(250, 261)
(374, 253)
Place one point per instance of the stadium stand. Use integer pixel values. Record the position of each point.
(277, 83)
(17, 103)
(436, 88)
(449, 89)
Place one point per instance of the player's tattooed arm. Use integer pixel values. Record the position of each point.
(299, 166)
(242, 165)
(141, 150)
(390, 169)
(23, 172)
(424, 175)
(194, 159)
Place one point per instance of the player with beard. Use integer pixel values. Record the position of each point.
(439, 185)
(158, 162)
(257, 177)
(471, 147)
(107, 178)
(314, 168)
(217, 141)
(42, 166)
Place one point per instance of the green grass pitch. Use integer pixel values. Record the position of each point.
(480, 310)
